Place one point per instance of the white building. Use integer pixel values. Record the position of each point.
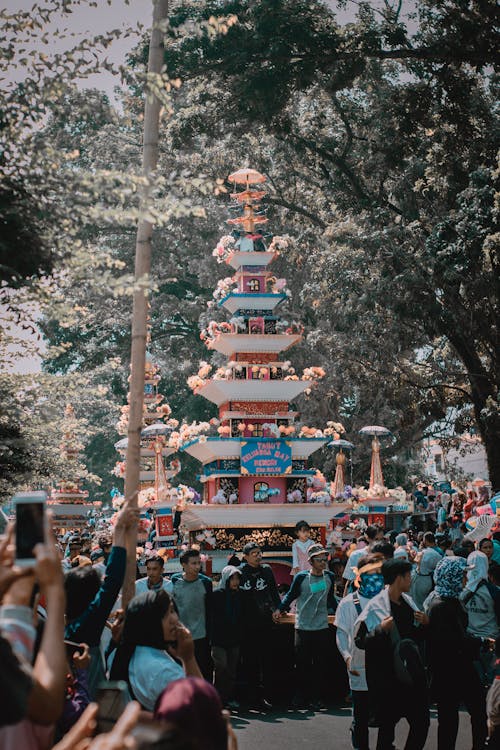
(468, 458)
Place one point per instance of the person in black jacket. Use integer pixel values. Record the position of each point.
(452, 651)
(260, 599)
(226, 624)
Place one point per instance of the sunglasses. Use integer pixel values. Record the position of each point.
(320, 559)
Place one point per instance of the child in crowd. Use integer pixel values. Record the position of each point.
(300, 548)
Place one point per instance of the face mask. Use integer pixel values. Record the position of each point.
(371, 585)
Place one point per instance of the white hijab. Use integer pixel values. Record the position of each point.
(477, 563)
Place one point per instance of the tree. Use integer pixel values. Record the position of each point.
(388, 140)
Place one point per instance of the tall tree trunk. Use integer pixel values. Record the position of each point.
(140, 302)
(488, 421)
(483, 393)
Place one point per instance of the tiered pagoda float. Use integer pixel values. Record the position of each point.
(69, 503)
(256, 472)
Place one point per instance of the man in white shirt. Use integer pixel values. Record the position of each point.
(154, 580)
(369, 582)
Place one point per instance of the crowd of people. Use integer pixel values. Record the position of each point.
(392, 623)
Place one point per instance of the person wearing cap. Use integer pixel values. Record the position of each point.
(369, 583)
(260, 599)
(73, 549)
(314, 591)
(97, 560)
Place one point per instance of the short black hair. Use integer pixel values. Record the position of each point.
(156, 559)
(188, 554)
(486, 539)
(384, 548)
(391, 569)
(81, 586)
(372, 531)
(302, 525)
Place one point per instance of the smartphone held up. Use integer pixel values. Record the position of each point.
(30, 525)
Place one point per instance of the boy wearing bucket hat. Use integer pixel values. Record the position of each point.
(314, 591)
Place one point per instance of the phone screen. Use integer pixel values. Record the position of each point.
(29, 528)
(112, 701)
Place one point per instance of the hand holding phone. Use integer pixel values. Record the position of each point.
(112, 698)
(78, 654)
(30, 526)
(10, 574)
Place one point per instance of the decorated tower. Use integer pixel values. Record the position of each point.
(69, 502)
(155, 444)
(256, 472)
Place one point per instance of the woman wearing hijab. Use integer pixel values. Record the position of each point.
(481, 600)
(452, 652)
(152, 643)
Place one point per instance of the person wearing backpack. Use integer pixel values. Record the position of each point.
(369, 583)
(452, 652)
(390, 629)
(481, 600)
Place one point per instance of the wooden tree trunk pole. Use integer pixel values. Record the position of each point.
(140, 300)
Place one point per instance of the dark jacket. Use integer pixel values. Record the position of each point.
(451, 650)
(387, 694)
(260, 595)
(88, 627)
(227, 617)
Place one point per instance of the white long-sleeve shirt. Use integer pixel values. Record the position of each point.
(345, 618)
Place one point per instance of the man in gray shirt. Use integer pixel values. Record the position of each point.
(192, 593)
(314, 591)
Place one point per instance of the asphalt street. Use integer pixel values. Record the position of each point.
(326, 730)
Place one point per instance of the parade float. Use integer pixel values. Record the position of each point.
(256, 473)
(69, 503)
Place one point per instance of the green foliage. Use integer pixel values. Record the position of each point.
(380, 140)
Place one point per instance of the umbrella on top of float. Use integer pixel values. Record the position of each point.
(121, 445)
(157, 428)
(245, 176)
(340, 443)
(374, 429)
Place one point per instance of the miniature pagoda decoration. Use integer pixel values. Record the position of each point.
(158, 426)
(69, 502)
(376, 486)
